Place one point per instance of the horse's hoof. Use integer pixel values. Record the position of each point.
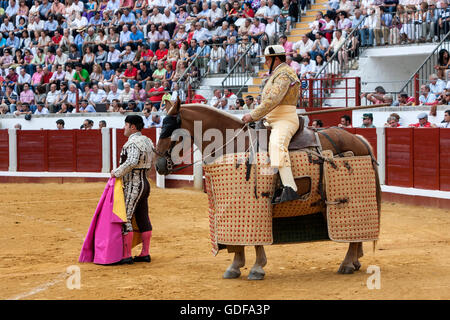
(256, 275)
(346, 270)
(357, 265)
(232, 274)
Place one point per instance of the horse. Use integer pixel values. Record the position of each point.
(335, 139)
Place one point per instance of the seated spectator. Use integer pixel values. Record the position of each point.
(303, 46)
(423, 122)
(215, 16)
(444, 64)
(404, 100)
(130, 106)
(4, 109)
(320, 45)
(161, 53)
(147, 115)
(126, 94)
(88, 123)
(231, 97)
(220, 34)
(426, 98)
(160, 72)
(346, 122)
(215, 100)
(155, 94)
(139, 95)
(284, 18)
(392, 122)
(338, 40)
(249, 103)
(72, 96)
(96, 95)
(436, 85)
(156, 121)
(293, 64)
(85, 107)
(257, 29)
(10, 98)
(446, 122)
(126, 56)
(270, 32)
(27, 95)
(52, 98)
(41, 109)
(375, 97)
(367, 121)
(81, 77)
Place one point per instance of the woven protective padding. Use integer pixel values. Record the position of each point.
(239, 214)
(354, 179)
(310, 203)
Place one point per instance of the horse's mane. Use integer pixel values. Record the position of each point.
(219, 113)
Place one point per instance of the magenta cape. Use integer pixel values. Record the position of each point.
(103, 243)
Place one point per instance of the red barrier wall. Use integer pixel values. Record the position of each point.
(371, 135)
(399, 157)
(4, 150)
(331, 119)
(426, 158)
(32, 150)
(89, 150)
(61, 151)
(444, 156)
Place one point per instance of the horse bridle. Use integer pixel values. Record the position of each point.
(168, 132)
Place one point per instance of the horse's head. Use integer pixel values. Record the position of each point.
(164, 163)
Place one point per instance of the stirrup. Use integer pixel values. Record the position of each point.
(284, 194)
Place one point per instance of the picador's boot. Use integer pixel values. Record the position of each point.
(289, 190)
(127, 243)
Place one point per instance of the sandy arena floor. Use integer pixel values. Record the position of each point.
(43, 226)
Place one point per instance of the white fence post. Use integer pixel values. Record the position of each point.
(160, 180)
(106, 150)
(12, 149)
(381, 154)
(198, 169)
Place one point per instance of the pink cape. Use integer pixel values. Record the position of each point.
(103, 243)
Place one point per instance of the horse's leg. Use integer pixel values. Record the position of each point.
(233, 271)
(359, 254)
(257, 271)
(347, 266)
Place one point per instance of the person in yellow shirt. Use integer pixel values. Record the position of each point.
(278, 105)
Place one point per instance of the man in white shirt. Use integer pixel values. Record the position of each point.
(262, 11)
(23, 78)
(228, 94)
(51, 98)
(272, 10)
(111, 7)
(201, 33)
(114, 93)
(60, 58)
(96, 95)
(270, 32)
(215, 100)
(168, 21)
(437, 85)
(156, 16)
(7, 26)
(215, 15)
(147, 117)
(124, 38)
(41, 109)
(113, 56)
(303, 46)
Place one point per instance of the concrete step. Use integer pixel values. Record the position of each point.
(318, 7)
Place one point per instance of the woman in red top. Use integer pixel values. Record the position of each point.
(248, 11)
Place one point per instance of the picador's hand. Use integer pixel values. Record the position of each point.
(247, 118)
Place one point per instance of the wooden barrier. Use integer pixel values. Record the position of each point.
(4, 150)
(426, 158)
(444, 159)
(32, 150)
(399, 157)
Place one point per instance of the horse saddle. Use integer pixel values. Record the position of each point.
(303, 138)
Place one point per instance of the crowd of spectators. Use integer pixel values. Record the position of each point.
(125, 55)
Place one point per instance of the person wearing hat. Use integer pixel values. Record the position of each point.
(367, 121)
(278, 105)
(423, 121)
(136, 159)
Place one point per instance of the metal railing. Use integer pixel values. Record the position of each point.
(186, 82)
(421, 75)
(318, 92)
(342, 59)
(236, 79)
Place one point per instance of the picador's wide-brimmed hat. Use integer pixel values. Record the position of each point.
(274, 50)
